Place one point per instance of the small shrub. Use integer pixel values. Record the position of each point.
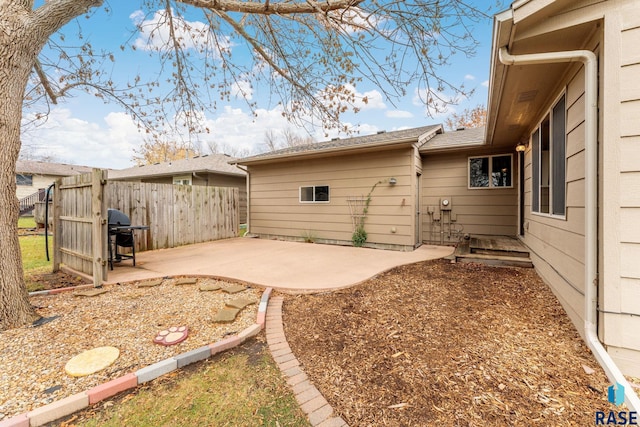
(309, 236)
(359, 237)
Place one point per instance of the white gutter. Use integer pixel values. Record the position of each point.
(590, 62)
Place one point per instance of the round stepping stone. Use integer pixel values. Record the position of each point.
(173, 335)
(186, 281)
(91, 361)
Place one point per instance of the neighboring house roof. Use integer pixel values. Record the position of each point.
(46, 168)
(460, 139)
(378, 140)
(209, 163)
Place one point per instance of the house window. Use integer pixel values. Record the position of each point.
(491, 171)
(182, 180)
(314, 194)
(24, 179)
(549, 162)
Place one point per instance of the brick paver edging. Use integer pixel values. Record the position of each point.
(311, 401)
(68, 405)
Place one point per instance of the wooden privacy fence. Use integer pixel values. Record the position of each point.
(176, 215)
(80, 224)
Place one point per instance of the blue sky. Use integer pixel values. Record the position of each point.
(83, 130)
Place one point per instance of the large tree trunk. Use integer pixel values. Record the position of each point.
(23, 33)
(16, 60)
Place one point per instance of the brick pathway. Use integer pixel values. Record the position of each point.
(313, 404)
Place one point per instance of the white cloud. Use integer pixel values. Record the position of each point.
(485, 83)
(240, 130)
(242, 89)
(399, 114)
(71, 140)
(348, 96)
(469, 77)
(155, 34)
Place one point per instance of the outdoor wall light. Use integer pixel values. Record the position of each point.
(393, 181)
(521, 147)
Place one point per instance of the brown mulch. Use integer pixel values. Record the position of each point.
(436, 343)
(56, 280)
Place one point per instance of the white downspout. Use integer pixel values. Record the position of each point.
(590, 62)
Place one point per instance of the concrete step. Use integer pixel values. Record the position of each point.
(502, 261)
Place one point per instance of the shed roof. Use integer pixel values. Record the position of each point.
(47, 168)
(208, 163)
(380, 139)
(458, 139)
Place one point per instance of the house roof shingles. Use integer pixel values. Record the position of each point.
(378, 139)
(46, 168)
(460, 139)
(211, 163)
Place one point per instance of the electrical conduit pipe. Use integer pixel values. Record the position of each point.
(590, 62)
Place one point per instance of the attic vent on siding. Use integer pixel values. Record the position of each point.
(527, 96)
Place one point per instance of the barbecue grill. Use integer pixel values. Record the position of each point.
(121, 235)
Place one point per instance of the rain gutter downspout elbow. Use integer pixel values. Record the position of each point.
(590, 61)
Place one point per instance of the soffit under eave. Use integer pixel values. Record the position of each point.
(527, 90)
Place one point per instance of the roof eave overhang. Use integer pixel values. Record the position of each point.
(333, 151)
(454, 148)
(503, 27)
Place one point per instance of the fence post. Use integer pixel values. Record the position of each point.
(99, 226)
(57, 226)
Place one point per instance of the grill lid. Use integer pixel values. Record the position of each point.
(115, 217)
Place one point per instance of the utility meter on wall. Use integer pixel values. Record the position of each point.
(445, 204)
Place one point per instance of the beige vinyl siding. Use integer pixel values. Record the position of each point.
(620, 301)
(486, 211)
(277, 211)
(38, 182)
(557, 243)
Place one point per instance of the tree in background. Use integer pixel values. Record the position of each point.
(274, 140)
(473, 118)
(313, 54)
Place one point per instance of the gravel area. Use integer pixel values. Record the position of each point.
(127, 317)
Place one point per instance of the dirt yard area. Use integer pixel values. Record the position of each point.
(446, 344)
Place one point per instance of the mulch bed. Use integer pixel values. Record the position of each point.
(436, 343)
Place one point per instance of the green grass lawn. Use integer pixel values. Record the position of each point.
(240, 388)
(26, 222)
(34, 258)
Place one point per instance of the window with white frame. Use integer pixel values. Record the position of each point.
(314, 194)
(182, 180)
(491, 171)
(548, 162)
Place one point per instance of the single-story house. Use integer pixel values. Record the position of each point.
(211, 170)
(557, 166)
(32, 176)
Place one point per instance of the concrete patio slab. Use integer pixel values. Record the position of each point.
(286, 266)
